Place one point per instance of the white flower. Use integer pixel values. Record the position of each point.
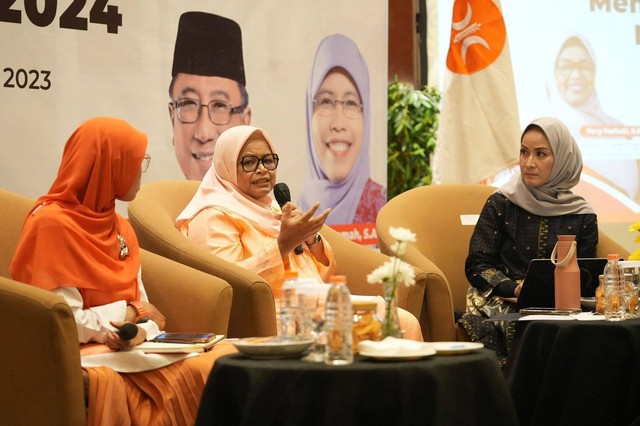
(402, 234)
(407, 273)
(381, 273)
(395, 270)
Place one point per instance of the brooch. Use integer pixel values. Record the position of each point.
(124, 249)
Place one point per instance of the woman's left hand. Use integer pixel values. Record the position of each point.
(115, 342)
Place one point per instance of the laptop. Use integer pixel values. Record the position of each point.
(538, 290)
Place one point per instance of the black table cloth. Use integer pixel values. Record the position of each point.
(577, 373)
(466, 389)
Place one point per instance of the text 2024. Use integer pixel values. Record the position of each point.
(43, 12)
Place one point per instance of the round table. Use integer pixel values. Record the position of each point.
(438, 390)
(577, 372)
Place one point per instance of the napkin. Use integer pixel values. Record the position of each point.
(132, 361)
(392, 346)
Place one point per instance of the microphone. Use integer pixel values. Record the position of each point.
(128, 331)
(283, 196)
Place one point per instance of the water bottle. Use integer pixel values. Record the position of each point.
(567, 273)
(339, 323)
(614, 294)
(289, 312)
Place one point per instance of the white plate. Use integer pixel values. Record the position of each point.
(422, 353)
(588, 302)
(394, 349)
(454, 348)
(272, 347)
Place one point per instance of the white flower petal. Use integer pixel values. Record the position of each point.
(402, 234)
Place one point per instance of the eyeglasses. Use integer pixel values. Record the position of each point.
(220, 112)
(566, 68)
(145, 163)
(326, 106)
(250, 163)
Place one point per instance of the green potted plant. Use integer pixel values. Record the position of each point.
(412, 123)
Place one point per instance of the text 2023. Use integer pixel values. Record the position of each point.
(31, 79)
(101, 13)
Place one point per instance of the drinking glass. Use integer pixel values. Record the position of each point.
(631, 296)
(312, 299)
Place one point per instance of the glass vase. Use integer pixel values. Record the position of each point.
(391, 322)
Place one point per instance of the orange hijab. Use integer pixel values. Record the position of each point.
(70, 237)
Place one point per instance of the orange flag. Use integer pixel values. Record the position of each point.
(479, 130)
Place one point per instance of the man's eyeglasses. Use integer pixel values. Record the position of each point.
(145, 163)
(326, 106)
(250, 163)
(220, 112)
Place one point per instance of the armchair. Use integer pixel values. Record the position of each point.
(153, 215)
(434, 214)
(52, 391)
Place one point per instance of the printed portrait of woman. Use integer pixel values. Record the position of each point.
(573, 98)
(338, 135)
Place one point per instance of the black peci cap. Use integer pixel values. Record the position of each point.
(209, 45)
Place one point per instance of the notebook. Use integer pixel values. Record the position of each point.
(538, 290)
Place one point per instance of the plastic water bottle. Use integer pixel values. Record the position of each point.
(289, 309)
(339, 323)
(614, 294)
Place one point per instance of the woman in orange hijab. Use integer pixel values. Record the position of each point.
(74, 243)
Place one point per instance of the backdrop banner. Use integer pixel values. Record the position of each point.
(576, 60)
(64, 61)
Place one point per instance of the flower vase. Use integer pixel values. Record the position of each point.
(391, 322)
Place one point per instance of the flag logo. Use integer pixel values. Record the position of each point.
(478, 35)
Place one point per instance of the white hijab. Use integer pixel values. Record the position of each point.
(553, 198)
(219, 187)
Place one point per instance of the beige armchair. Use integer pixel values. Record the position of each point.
(434, 213)
(42, 381)
(607, 245)
(153, 215)
(38, 325)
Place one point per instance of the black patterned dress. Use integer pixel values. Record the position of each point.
(505, 239)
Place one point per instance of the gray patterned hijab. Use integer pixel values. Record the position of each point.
(554, 198)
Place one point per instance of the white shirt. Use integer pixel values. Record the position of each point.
(93, 323)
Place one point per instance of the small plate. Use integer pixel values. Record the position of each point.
(423, 353)
(588, 302)
(272, 347)
(454, 348)
(393, 349)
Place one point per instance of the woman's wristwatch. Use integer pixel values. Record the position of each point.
(316, 241)
(142, 314)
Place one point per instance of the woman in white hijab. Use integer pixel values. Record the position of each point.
(521, 221)
(338, 138)
(573, 98)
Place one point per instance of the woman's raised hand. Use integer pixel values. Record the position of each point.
(296, 226)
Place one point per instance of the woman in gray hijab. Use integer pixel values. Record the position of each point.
(521, 221)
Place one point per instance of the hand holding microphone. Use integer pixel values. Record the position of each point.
(127, 335)
(128, 331)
